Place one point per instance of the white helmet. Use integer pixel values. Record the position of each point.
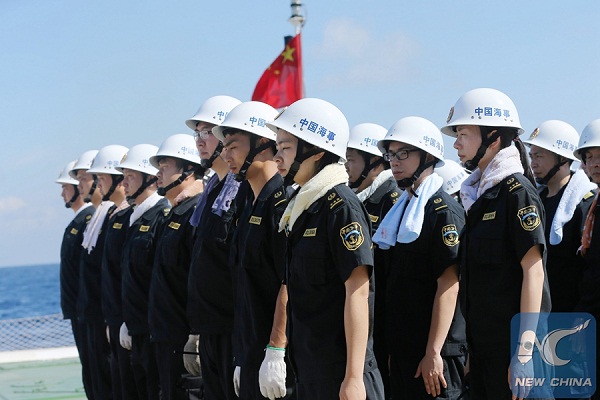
(65, 177)
(180, 146)
(213, 110)
(590, 137)
(250, 116)
(453, 174)
(418, 132)
(138, 159)
(317, 122)
(84, 162)
(364, 137)
(483, 107)
(108, 159)
(555, 136)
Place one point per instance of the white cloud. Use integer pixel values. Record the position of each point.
(361, 58)
(9, 204)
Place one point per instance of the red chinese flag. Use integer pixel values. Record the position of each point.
(281, 83)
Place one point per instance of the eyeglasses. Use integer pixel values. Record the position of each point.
(399, 155)
(203, 134)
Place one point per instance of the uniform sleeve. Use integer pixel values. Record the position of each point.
(350, 239)
(445, 239)
(525, 220)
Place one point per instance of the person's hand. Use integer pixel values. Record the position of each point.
(272, 373)
(124, 337)
(520, 370)
(236, 380)
(431, 368)
(196, 187)
(353, 388)
(191, 362)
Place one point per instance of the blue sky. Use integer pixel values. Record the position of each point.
(78, 75)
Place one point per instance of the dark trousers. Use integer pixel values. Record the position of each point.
(98, 360)
(81, 343)
(216, 359)
(170, 368)
(143, 364)
(121, 374)
(488, 376)
(328, 388)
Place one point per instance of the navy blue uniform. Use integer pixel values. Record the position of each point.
(411, 290)
(380, 202)
(168, 296)
(328, 241)
(259, 263)
(564, 265)
(70, 256)
(123, 384)
(89, 312)
(502, 226)
(138, 259)
(210, 294)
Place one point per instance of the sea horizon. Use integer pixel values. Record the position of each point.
(29, 290)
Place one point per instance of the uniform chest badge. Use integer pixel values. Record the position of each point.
(489, 216)
(450, 235)
(74, 231)
(310, 232)
(174, 225)
(529, 218)
(352, 236)
(117, 225)
(255, 220)
(144, 228)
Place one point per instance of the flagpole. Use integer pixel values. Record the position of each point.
(297, 20)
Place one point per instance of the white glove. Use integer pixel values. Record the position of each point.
(191, 362)
(272, 373)
(236, 380)
(124, 337)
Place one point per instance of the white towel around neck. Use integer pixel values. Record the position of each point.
(403, 223)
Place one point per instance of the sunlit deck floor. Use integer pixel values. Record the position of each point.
(37, 375)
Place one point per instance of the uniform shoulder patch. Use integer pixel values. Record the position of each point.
(450, 235)
(334, 199)
(439, 204)
(588, 195)
(512, 184)
(529, 217)
(352, 236)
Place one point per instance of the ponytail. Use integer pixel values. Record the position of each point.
(509, 136)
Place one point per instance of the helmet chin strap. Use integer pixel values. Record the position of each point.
(69, 203)
(147, 182)
(472, 164)
(240, 176)
(544, 180)
(409, 182)
(162, 191)
(209, 162)
(88, 198)
(299, 159)
(116, 179)
(368, 167)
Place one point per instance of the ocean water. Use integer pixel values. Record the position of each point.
(29, 291)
